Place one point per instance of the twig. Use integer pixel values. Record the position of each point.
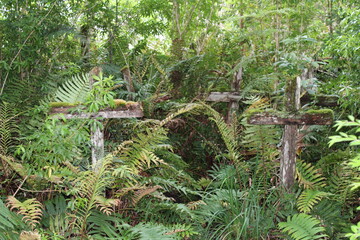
(39, 191)
(22, 183)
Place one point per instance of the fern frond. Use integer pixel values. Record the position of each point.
(139, 194)
(31, 209)
(30, 235)
(171, 185)
(195, 205)
(152, 232)
(74, 90)
(228, 134)
(258, 104)
(8, 127)
(89, 186)
(105, 204)
(309, 198)
(10, 223)
(182, 230)
(308, 176)
(302, 226)
(168, 212)
(8, 131)
(188, 108)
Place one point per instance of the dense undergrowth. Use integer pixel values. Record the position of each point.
(188, 169)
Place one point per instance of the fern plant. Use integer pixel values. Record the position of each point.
(228, 134)
(139, 153)
(30, 209)
(302, 226)
(260, 142)
(10, 223)
(8, 132)
(309, 198)
(74, 90)
(89, 189)
(308, 176)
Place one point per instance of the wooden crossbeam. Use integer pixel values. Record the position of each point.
(135, 111)
(322, 117)
(223, 97)
(321, 100)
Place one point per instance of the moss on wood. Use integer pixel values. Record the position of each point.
(63, 104)
(326, 112)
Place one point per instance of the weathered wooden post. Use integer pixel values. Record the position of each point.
(292, 118)
(123, 109)
(288, 153)
(231, 97)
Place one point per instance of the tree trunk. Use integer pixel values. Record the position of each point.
(127, 76)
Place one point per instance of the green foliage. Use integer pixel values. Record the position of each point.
(151, 232)
(176, 51)
(353, 140)
(54, 143)
(100, 96)
(260, 140)
(227, 212)
(302, 226)
(355, 232)
(55, 217)
(8, 133)
(8, 128)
